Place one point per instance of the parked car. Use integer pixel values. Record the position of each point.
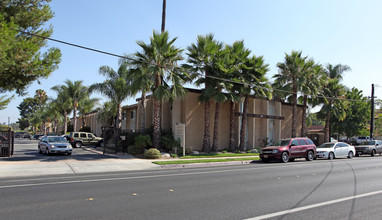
(289, 149)
(77, 139)
(362, 139)
(333, 150)
(54, 144)
(23, 135)
(37, 136)
(369, 147)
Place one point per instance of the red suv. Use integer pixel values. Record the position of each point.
(289, 149)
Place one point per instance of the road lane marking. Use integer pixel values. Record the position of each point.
(147, 176)
(299, 209)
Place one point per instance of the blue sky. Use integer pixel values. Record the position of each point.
(342, 31)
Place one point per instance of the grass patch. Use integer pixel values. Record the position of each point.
(219, 155)
(205, 160)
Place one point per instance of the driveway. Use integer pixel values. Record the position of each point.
(26, 161)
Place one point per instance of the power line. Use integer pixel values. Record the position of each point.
(213, 77)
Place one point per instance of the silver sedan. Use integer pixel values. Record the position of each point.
(54, 144)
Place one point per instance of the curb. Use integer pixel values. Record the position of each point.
(211, 164)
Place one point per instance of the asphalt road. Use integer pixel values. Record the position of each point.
(322, 189)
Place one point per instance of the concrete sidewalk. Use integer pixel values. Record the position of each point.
(111, 163)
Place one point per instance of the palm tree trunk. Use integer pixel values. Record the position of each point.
(75, 116)
(143, 112)
(156, 124)
(303, 128)
(206, 138)
(156, 119)
(232, 141)
(294, 111)
(244, 124)
(65, 122)
(327, 125)
(216, 128)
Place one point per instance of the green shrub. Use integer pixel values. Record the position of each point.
(174, 155)
(168, 142)
(134, 150)
(224, 151)
(143, 141)
(152, 153)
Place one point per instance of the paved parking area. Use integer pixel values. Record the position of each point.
(26, 161)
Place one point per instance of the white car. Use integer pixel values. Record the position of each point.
(333, 150)
(54, 144)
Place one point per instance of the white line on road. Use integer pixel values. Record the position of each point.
(285, 212)
(147, 176)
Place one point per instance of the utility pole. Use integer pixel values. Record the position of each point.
(163, 16)
(372, 112)
(9, 121)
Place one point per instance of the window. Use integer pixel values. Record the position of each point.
(310, 142)
(83, 135)
(132, 114)
(301, 142)
(124, 115)
(90, 136)
(76, 135)
(294, 142)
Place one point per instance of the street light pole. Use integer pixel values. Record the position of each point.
(372, 112)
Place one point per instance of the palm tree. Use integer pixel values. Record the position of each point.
(161, 57)
(85, 106)
(255, 81)
(334, 92)
(201, 57)
(292, 76)
(63, 103)
(75, 92)
(116, 87)
(142, 81)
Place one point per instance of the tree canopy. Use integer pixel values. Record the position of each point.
(22, 62)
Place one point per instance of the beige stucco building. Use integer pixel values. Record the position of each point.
(268, 120)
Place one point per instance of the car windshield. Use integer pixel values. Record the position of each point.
(282, 143)
(368, 143)
(329, 145)
(57, 140)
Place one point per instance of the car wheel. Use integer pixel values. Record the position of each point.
(310, 156)
(265, 160)
(78, 144)
(331, 156)
(372, 153)
(100, 144)
(39, 150)
(350, 155)
(285, 157)
(69, 153)
(47, 152)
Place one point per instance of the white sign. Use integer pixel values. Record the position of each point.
(180, 135)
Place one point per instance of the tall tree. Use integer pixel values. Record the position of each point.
(201, 57)
(142, 81)
(85, 106)
(162, 56)
(116, 87)
(332, 97)
(63, 103)
(292, 77)
(75, 91)
(21, 59)
(254, 82)
(357, 115)
(163, 27)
